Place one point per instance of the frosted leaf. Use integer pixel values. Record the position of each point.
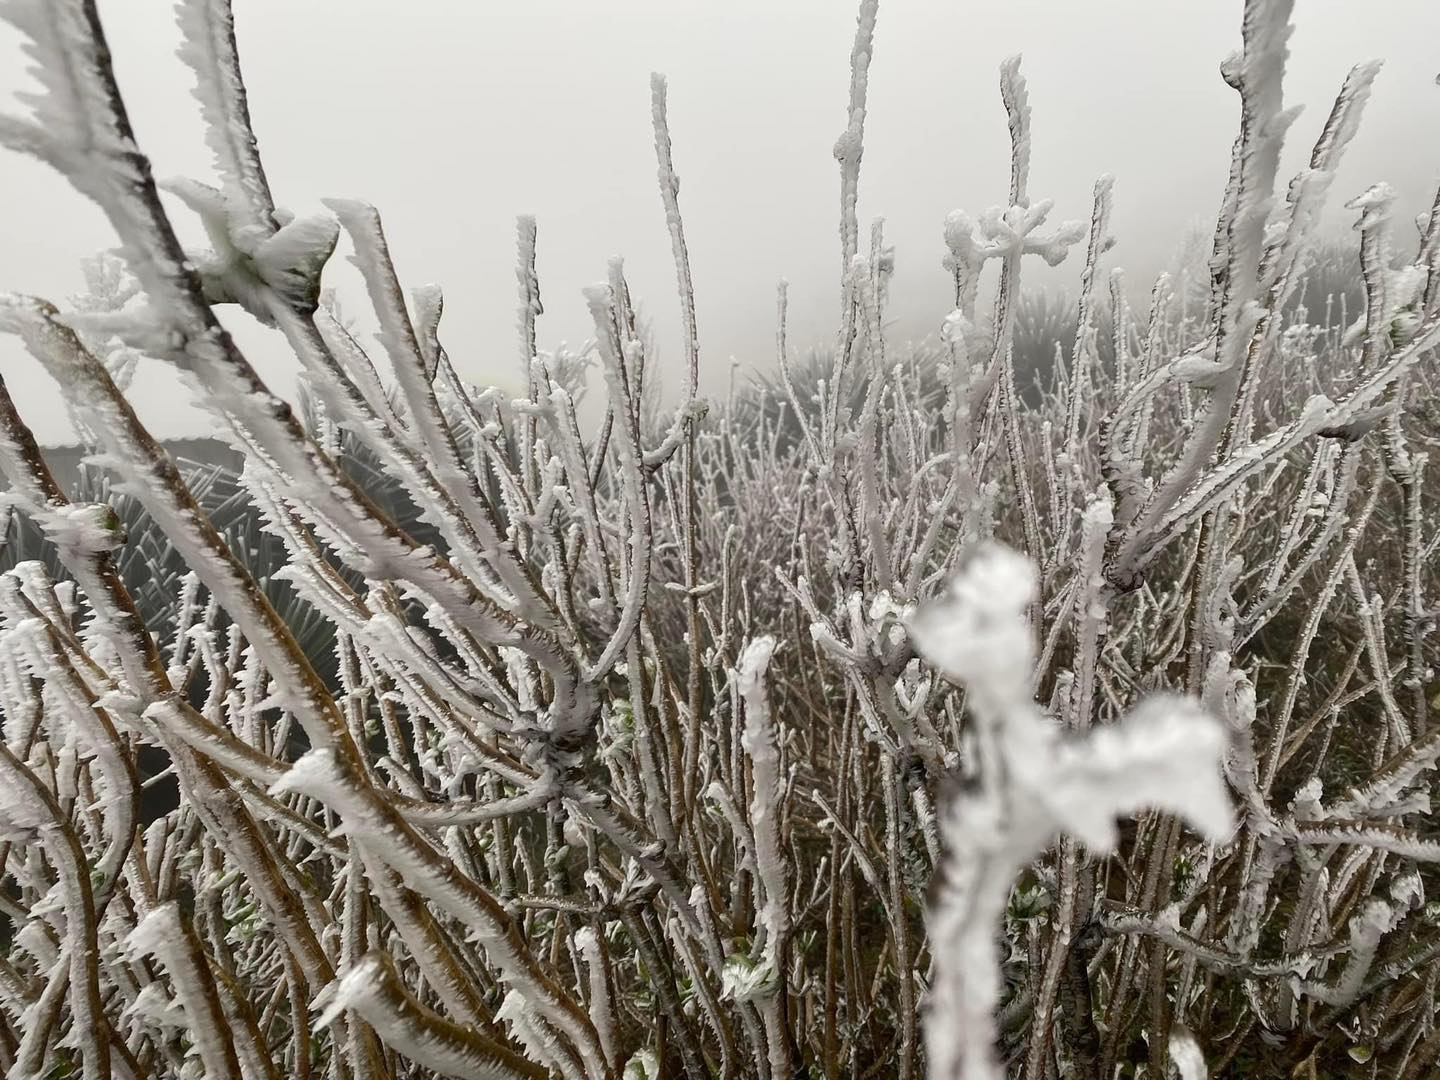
(642, 1065)
(85, 528)
(742, 979)
(244, 263)
(1408, 890)
(291, 260)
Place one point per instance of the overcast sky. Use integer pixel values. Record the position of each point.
(454, 116)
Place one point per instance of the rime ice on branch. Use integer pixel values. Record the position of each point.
(731, 740)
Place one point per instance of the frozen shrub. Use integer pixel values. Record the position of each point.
(905, 717)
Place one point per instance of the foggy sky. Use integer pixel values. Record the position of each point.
(454, 116)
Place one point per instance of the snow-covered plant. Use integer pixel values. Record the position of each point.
(1033, 783)
(798, 734)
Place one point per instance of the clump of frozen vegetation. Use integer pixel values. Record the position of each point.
(801, 736)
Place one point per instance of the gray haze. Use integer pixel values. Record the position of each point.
(454, 116)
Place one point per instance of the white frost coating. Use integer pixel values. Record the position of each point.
(316, 774)
(642, 1066)
(1367, 930)
(379, 829)
(83, 528)
(577, 661)
(669, 195)
(740, 980)
(1185, 1052)
(850, 146)
(1017, 109)
(33, 939)
(164, 934)
(246, 263)
(154, 934)
(976, 631)
(373, 990)
(1163, 749)
(527, 1030)
(347, 992)
(208, 48)
(1033, 784)
(61, 132)
(760, 744)
(154, 1006)
(602, 1013)
(20, 818)
(429, 304)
